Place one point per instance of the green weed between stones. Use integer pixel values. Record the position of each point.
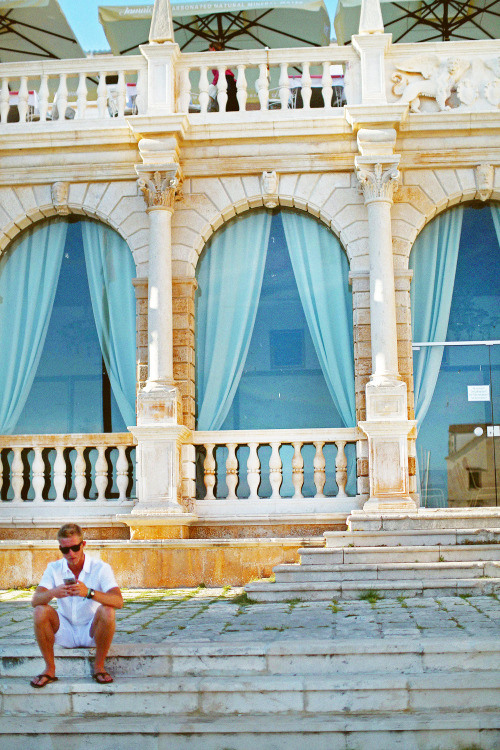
(371, 595)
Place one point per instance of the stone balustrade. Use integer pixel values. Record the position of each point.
(43, 470)
(423, 77)
(92, 88)
(253, 464)
(266, 79)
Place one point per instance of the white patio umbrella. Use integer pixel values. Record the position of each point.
(35, 30)
(425, 20)
(235, 24)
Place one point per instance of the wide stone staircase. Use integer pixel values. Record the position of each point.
(359, 694)
(426, 553)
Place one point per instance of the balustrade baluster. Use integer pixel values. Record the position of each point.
(101, 472)
(275, 471)
(306, 89)
(253, 471)
(185, 90)
(121, 94)
(297, 470)
(81, 97)
(209, 471)
(222, 88)
(326, 82)
(319, 469)
(102, 96)
(23, 96)
(231, 471)
(141, 99)
(4, 100)
(43, 97)
(38, 474)
(241, 88)
(204, 95)
(61, 100)
(263, 86)
(59, 474)
(17, 479)
(188, 453)
(80, 478)
(122, 473)
(341, 468)
(284, 84)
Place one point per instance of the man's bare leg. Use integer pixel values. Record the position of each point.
(103, 630)
(46, 624)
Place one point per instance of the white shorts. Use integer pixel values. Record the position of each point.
(73, 636)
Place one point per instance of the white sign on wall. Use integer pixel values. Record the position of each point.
(478, 392)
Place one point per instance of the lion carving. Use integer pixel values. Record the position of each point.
(441, 77)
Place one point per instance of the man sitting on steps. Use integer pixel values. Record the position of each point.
(87, 595)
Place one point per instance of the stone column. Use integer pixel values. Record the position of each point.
(387, 426)
(160, 433)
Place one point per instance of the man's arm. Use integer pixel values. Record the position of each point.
(44, 596)
(112, 598)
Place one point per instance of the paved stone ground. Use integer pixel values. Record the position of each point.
(225, 616)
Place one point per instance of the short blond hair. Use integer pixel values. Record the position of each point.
(69, 529)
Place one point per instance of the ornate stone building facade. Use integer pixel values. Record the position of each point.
(419, 134)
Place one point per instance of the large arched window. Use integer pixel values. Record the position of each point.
(274, 326)
(456, 329)
(67, 330)
(274, 339)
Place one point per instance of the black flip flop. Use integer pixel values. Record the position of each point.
(48, 677)
(96, 676)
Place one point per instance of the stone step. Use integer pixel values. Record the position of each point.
(409, 537)
(302, 656)
(426, 518)
(416, 730)
(265, 591)
(213, 695)
(386, 571)
(425, 553)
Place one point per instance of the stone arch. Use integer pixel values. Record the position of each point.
(425, 194)
(114, 203)
(207, 203)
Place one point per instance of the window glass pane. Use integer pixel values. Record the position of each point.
(282, 385)
(455, 445)
(475, 308)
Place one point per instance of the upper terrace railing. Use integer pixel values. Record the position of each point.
(100, 88)
(463, 76)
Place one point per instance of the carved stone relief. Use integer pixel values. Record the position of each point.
(270, 183)
(59, 194)
(484, 175)
(431, 82)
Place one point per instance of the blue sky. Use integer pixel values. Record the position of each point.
(82, 17)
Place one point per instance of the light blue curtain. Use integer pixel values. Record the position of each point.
(110, 270)
(433, 261)
(28, 281)
(495, 215)
(229, 286)
(321, 271)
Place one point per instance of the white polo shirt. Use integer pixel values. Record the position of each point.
(95, 574)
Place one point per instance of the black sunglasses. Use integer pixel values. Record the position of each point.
(73, 548)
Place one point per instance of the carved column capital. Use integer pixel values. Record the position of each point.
(378, 179)
(158, 188)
